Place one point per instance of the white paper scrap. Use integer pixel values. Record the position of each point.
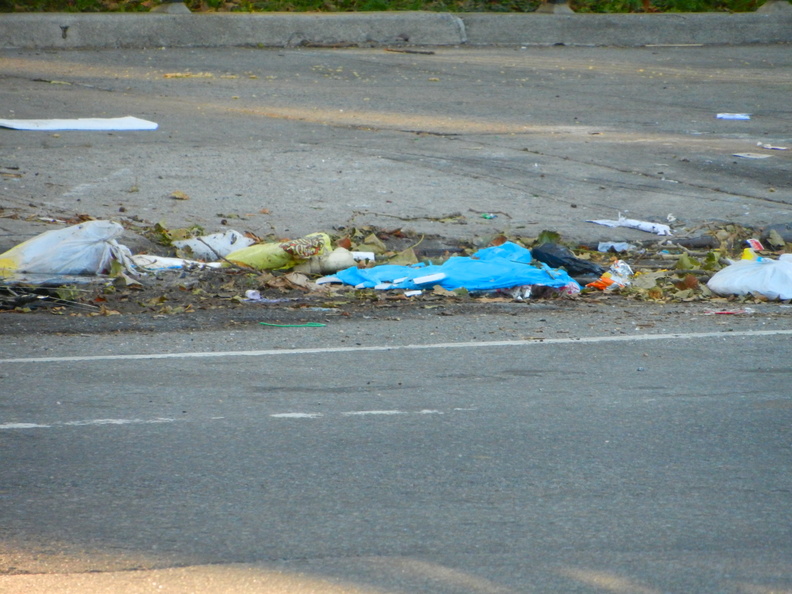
(363, 256)
(733, 116)
(101, 124)
(751, 155)
(656, 228)
(771, 147)
(616, 246)
(149, 262)
(429, 278)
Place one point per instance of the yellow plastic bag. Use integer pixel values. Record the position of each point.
(274, 256)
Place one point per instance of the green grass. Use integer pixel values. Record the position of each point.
(583, 6)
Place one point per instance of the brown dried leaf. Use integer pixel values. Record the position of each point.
(689, 282)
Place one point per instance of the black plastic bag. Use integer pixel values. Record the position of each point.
(556, 256)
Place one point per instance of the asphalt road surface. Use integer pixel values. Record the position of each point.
(542, 447)
(291, 142)
(389, 456)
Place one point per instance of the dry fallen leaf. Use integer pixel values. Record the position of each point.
(438, 290)
(298, 280)
(104, 311)
(689, 282)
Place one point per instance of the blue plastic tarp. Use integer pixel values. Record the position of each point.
(498, 267)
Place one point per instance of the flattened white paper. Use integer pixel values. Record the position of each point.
(101, 124)
(751, 155)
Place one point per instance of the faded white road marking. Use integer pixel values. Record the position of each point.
(90, 422)
(116, 422)
(24, 426)
(426, 411)
(407, 347)
(284, 415)
(361, 413)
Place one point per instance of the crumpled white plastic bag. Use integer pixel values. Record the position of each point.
(214, 246)
(87, 248)
(770, 278)
(656, 228)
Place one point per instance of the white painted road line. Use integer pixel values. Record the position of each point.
(116, 422)
(366, 413)
(88, 423)
(283, 415)
(407, 347)
(361, 413)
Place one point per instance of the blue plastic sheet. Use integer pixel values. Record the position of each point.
(498, 267)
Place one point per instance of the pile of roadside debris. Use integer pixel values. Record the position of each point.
(724, 262)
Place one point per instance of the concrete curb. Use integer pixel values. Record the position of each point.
(628, 29)
(139, 30)
(72, 31)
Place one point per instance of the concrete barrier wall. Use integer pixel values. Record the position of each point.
(27, 30)
(629, 29)
(135, 30)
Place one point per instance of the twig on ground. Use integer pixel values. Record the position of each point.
(409, 51)
(507, 215)
(224, 259)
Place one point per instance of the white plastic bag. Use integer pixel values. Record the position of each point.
(158, 263)
(656, 228)
(214, 246)
(87, 248)
(770, 278)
